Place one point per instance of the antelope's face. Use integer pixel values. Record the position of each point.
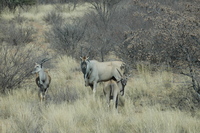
(84, 67)
(37, 68)
(123, 84)
(84, 64)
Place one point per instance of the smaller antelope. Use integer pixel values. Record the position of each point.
(42, 79)
(112, 89)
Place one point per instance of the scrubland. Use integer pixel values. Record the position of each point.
(149, 105)
(155, 101)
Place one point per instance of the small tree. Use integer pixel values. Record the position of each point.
(17, 35)
(65, 38)
(102, 31)
(17, 56)
(190, 48)
(16, 64)
(104, 9)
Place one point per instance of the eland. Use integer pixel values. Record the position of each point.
(112, 90)
(95, 72)
(42, 80)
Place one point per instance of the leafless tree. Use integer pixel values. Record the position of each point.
(16, 64)
(102, 33)
(65, 38)
(16, 52)
(190, 48)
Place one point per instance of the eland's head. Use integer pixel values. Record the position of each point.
(84, 63)
(84, 68)
(122, 85)
(37, 68)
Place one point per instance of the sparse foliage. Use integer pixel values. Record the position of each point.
(15, 66)
(12, 4)
(16, 56)
(53, 17)
(103, 31)
(159, 38)
(65, 38)
(15, 33)
(172, 38)
(105, 10)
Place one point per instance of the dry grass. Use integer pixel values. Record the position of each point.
(151, 101)
(71, 107)
(36, 13)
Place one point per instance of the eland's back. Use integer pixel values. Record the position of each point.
(108, 70)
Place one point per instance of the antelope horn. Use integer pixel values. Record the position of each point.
(44, 60)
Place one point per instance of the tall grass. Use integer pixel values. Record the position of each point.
(36, 13)
(21, 111)
(154, 101)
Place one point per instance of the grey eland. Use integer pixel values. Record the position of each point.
(95, 72)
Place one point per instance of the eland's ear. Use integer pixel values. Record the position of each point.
(81, 57)
(87, 58)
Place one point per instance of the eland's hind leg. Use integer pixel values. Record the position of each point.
(115, 99)
(108, 98)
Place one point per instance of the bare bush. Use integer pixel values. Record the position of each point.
(65, 38)
(189, 48)
(104, 30)
(53, 17)
(171, 39)
(17, 55)
(15, 33)
(72, 3)
(16, 64)
(19, 19)
(104, 10)
(68, 5)
(158, 42)
(101, 42)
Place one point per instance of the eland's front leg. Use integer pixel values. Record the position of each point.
(94, 89)
(41, 95)
(86, 82)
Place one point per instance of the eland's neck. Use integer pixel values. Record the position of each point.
(42, 74)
